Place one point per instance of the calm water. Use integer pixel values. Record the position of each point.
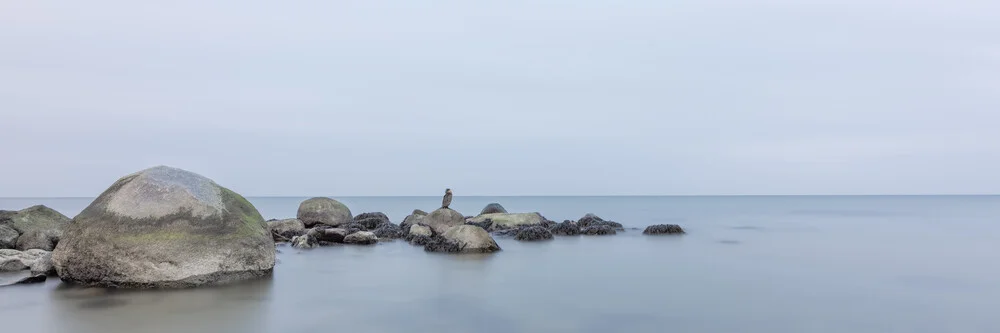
(748, 264)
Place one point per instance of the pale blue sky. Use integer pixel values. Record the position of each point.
(503, 98)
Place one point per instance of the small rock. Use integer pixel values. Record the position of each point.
(598, 230)
(663, 229)
(371, 221)
(594, 220)
(567, 228)
(284, 230)
(329, 235)
(362, 238)
(388, 231)
(533, 234)
(493, 208)
(304, 242)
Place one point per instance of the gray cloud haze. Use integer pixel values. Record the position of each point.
(503, 98)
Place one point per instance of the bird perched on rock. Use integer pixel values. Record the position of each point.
(447, 198)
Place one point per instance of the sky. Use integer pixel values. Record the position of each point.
(517, 97)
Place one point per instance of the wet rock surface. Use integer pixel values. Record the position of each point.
(598, 230)
(566, 228)
(663, 229)
(372, 221)
(533, 234)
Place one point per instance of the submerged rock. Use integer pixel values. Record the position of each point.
(323, 210)
(8, 237)
(388, 231)
(507, 221)
(597, 230)
(163, 228)
(493, 208)
(443, 219)
(362, 238)
(663, 229)
(464, 239)
(371, 221)
(567, 228)
(284, 230)
(533, 234)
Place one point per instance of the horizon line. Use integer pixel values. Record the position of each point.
(576, 195)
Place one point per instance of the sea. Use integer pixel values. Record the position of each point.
(747, 264)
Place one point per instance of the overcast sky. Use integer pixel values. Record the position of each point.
(516, 97)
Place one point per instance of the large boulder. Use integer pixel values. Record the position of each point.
(663, 229)
(464, 239)
(536, 233)
(361, 237)
(371, 221)
(493, 208)
(8, 237)
(443, 219)
(322, 210)
(508, 221)
(284, 230)
(162, 228)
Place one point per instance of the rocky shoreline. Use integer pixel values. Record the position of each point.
(169, 228)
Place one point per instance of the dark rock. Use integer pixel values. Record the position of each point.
(322, 210)
(329, 235)
(598, 230)
(663, 229)
(594, 220)
(533, 234)
(165, 228)
(388, 231)
(567, 228)
(492, 209)
(506, 232)
(371, 221)
(284, 230)
(8, 237)
(353, 227)
(439, 244)
(361, 238)
(419, 240)
(443, 219)
(485, 224)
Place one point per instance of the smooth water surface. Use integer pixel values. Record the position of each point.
(748, 264)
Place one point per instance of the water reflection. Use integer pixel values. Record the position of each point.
(240, 307)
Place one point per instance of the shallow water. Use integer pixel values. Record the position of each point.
(747, 264)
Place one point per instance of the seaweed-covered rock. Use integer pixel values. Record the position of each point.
(361, 238)
(388, 231)
(353, 227)
(464, 239)
(371, 221)
(507, 221)
(163, 228)
(567, 228)
(443, 219)
(284, 230)
(493, 208)
(322, 210)
(304, 242)
(420, 240)
(663, 229)
(8, 237)
(594, 220)
(597, 230)
(533, 234)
